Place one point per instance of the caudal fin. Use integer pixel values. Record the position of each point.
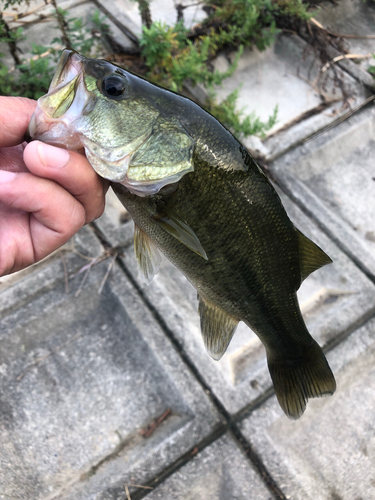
(297, 379)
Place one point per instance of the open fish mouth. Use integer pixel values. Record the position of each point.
(64, 103)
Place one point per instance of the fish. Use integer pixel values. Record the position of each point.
(197, 196)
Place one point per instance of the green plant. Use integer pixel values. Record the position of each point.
(236, 120)
(80, 36)
(31, 77)
(173, 55)
(255, 22)
(174, 60)
(8, 3)
(371, 69)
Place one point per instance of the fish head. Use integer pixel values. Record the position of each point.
(121, 121)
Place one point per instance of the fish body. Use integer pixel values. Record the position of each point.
(196, 195)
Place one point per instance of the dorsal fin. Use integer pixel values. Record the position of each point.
(179, 229)
(147, 254)
(311, 257)
(217, 328)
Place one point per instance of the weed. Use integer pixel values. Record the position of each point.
(31, 77)
(174, 60)
(173, 55)
(371, 69)
(234, 119)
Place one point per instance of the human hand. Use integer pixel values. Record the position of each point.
(46, 193)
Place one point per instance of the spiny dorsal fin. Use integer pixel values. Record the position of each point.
(297, 379)
(311, 257)
(179, 229)
(217, 328)
(147, 254)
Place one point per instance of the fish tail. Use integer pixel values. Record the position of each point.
(297, 379)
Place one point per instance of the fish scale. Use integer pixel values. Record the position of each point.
(204, 203)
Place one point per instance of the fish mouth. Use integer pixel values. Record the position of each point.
(65, 102)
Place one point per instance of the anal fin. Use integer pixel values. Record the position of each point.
(217, 328)
(311, 256)
(299, 378)
(147, 254)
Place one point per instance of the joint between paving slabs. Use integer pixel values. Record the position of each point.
(288, 192)
(313, 135)
(117, 23)
(229, 422)
(236, 435)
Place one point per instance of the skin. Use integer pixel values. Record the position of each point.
(51, 196)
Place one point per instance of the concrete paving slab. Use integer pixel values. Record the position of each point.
(334, 300)
(35, 10)
(164, 11)
(355, 18)
(84, 377)
(330, 452)
(283, 75)
(332, 176)
(20, 288)
(220, 471)
(41, 25)
(116, 223)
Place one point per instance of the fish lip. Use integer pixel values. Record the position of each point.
(70, 68)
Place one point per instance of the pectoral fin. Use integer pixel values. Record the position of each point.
(217, 328)
(179, 229)
(311, 256)
(147, 254)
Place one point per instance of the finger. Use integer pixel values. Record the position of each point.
(12, 159)
(15, 114)
(55, 214)
(16, 249)
(72, 171)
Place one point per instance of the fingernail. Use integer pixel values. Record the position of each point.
(53, 157)
(6, 176)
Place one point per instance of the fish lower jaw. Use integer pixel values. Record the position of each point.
(52, 131)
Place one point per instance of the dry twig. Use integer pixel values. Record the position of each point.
(155, 424)
(115, 251)
(66, 275)
(338, 35)
(346, 56)
(139, 486)
(16, 17)
(127, 492)
(107, 273)
(38, 56)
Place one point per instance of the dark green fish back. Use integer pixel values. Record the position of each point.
(217, 218)
(195, 194)
(252, 272)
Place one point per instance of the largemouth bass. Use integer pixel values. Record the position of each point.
(196, 195)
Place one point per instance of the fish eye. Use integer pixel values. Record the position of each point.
(114, 86)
